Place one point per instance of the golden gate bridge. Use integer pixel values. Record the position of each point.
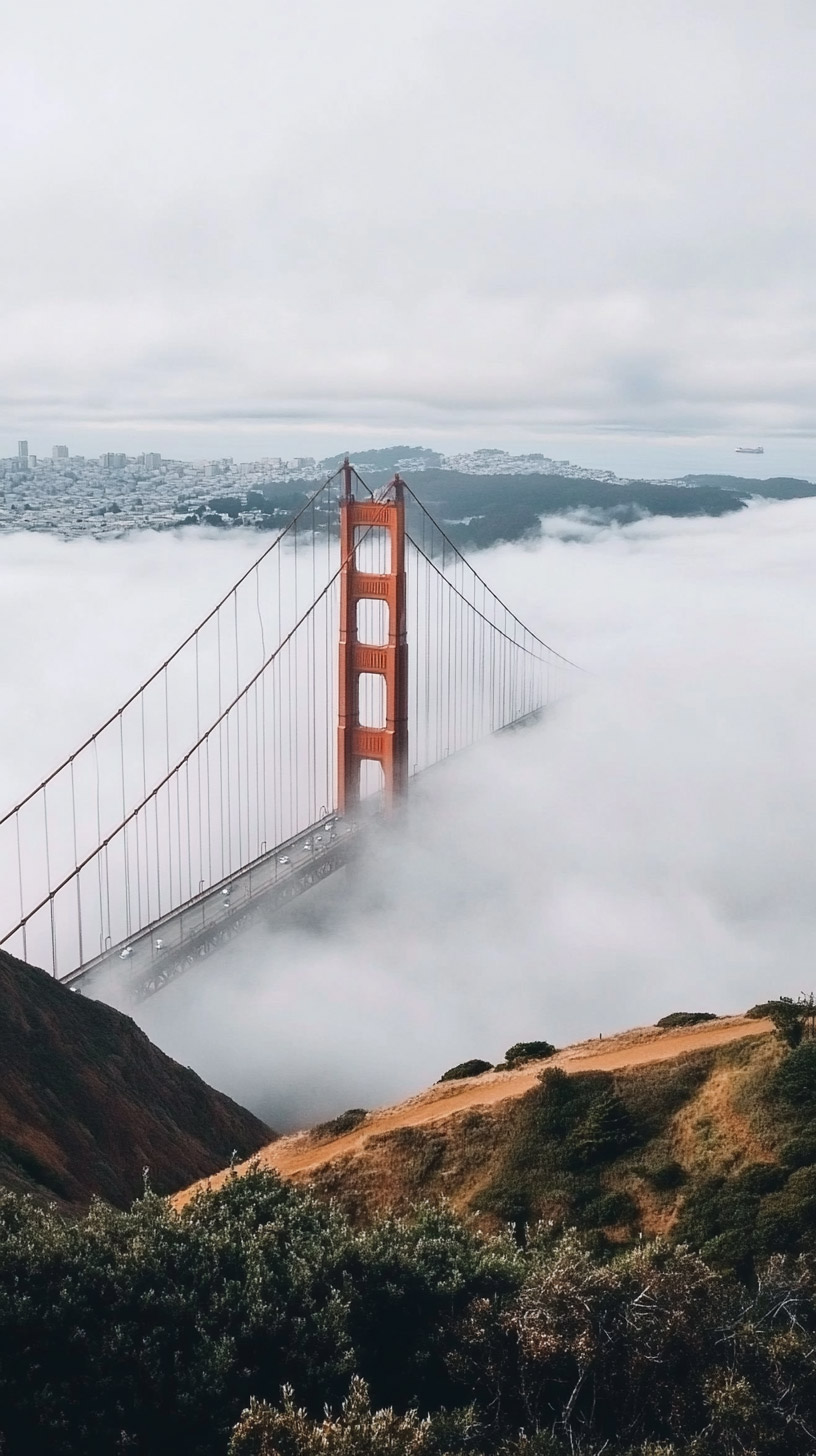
(360, 649)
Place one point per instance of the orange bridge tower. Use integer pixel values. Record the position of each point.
(379, 523)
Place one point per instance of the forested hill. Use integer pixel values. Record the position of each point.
(480, 510)
(776, 487)
(87, 1102)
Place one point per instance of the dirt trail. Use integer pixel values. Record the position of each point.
(300, 1152)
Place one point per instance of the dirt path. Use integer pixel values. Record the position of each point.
(300, 1152)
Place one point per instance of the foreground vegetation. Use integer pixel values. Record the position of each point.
(263, 1320)
(232, 1326)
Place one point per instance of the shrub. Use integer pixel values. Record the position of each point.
(666, 1176)
(410, 1284)
(685, 1018)
(166, 1323)
(562, 1132)
(799, 1152)
(474, 1068)
(719, 1216)
(601, 1133)
(787, 1219)
(788, 1016)
(337, 1126)
(795, 1079)
(528, 1051)
(357, 1431)
(609, 1210)
(619, 1346)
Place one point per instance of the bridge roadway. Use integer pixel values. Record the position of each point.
(147, 961)
(153, 957)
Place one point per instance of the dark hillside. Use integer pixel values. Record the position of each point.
(775, 487)
(482, 509)
(87, 1102)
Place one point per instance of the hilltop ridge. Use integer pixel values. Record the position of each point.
(457, 1140)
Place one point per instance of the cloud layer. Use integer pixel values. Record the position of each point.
(470, 218)
(648, 848)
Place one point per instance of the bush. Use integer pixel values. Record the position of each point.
(474, 1068)
(685, 1018)
(609, 1210)
(667, 1176)
(795, 1080)
(788, 1016)
(410, 1285)
(528, 1051)
(621, 1346)
(799, 1152)
(720, 1215)
(561, 1134)
(338, 1126)
(151, 1332)
(787, 1219)
(357, 1431)
(167, 1323)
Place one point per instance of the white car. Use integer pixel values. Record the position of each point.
(283, 859)
(125, 952)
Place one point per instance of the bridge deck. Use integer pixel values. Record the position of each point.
(174, 944)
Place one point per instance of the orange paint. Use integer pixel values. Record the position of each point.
(387, 746)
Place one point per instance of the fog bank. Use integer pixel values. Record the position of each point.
(646, 848)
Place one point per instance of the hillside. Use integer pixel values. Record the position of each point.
(656, 1132)
(87, 1102)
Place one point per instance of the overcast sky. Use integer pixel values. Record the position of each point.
(275, 227)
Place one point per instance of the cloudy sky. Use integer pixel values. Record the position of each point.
(278, 228)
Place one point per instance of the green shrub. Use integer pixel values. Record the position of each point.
(609, 1210)
(603, 1131)
(795, 1079)
(786, 1221)
(666, 1176)
(685, 1018)
(761, 1011)
(474, 1068)
(799, 1152)
(528, 1051)
(264, 1430)
(561, 1134)
(337, 1126)
(151, 1332)
(788, 1016)
(719, 1216)
(410, 1287)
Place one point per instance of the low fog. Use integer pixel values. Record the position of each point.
(646, 848)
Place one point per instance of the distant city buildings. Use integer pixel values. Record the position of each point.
(70, 495)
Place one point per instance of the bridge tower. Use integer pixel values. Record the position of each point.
(356, 743)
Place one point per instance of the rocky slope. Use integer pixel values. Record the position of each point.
(87, 1102)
